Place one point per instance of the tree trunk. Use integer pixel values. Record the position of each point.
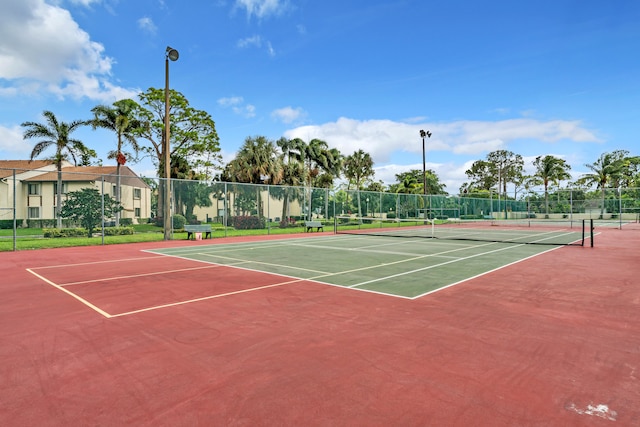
(118, 193)
(59, 198)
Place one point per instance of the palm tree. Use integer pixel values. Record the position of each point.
(56, 134)
(292, 173)
(121, 120)
(550, 169)
(609, 168)
(256, 163)
(357, 168)
(322, 164)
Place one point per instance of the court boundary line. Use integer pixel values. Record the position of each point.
(155, 273)
(356, 286)
(194, 300)
(73, 295)
(486, 272)
(95, 262)
(315, 278)
(292, 280)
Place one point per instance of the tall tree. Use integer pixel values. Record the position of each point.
(54, 133)
(608, 170)
(120, 119)
(256, 162)
(411, 182)
(482, 176)
(321, 163)
(192, 132)
(507, 165)
(190, 191)
(292, 175)
(357, 168)
(550, 169)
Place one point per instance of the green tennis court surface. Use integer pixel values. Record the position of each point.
(403, 267)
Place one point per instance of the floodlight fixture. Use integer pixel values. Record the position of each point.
(172, 54)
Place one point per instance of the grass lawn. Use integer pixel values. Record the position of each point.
(32, 238)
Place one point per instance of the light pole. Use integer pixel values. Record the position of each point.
(170, 54)
(424, 134)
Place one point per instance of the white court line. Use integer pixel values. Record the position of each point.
(445, 263)
(77, 297)
(485, 272)
(204, 298)
(366, 249)
(96, 262)
(428, 267)
(263, 263)
(326, 274)
(154, 273)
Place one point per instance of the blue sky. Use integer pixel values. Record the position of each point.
(539, 77)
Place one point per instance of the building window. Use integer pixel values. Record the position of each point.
(136, 212)
(34, 212)
(114, 191)
(137, 193)
(34, 189)
(65, 188)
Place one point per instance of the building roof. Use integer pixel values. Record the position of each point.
(70, 173)
(8, 166)
(92, 173)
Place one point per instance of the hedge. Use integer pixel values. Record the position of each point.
(247, 222)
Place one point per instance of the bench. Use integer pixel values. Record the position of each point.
(310, 225)
(193, 229)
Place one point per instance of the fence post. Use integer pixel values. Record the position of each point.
(102, 208)
(15, 220)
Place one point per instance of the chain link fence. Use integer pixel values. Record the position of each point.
(29, 200)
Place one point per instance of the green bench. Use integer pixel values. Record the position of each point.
(193, 229)
(310, 225)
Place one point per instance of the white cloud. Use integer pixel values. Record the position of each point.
(43, 49)
(258, 42)
(250, 41)
(384, 138)
(288, 114)
(270, 49)
(146, 24)
(86, 3)
(262, 8)
(236, 103)
(12, 143)
(227, 102)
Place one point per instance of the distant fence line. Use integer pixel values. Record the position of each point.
(28, 198)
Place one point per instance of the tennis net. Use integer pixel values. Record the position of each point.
(530, 231)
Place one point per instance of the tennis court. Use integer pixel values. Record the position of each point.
(325, 329)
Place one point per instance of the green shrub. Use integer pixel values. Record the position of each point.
(41, 223)
(126, 221)
(118, 231)
(178, 222)
(391, 215)
(247, 222)
(64, 232)
(7, 224)
(471, 216)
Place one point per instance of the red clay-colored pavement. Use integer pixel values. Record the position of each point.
(551, 341)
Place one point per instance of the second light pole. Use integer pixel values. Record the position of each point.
(424, 135)
(171, 54)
